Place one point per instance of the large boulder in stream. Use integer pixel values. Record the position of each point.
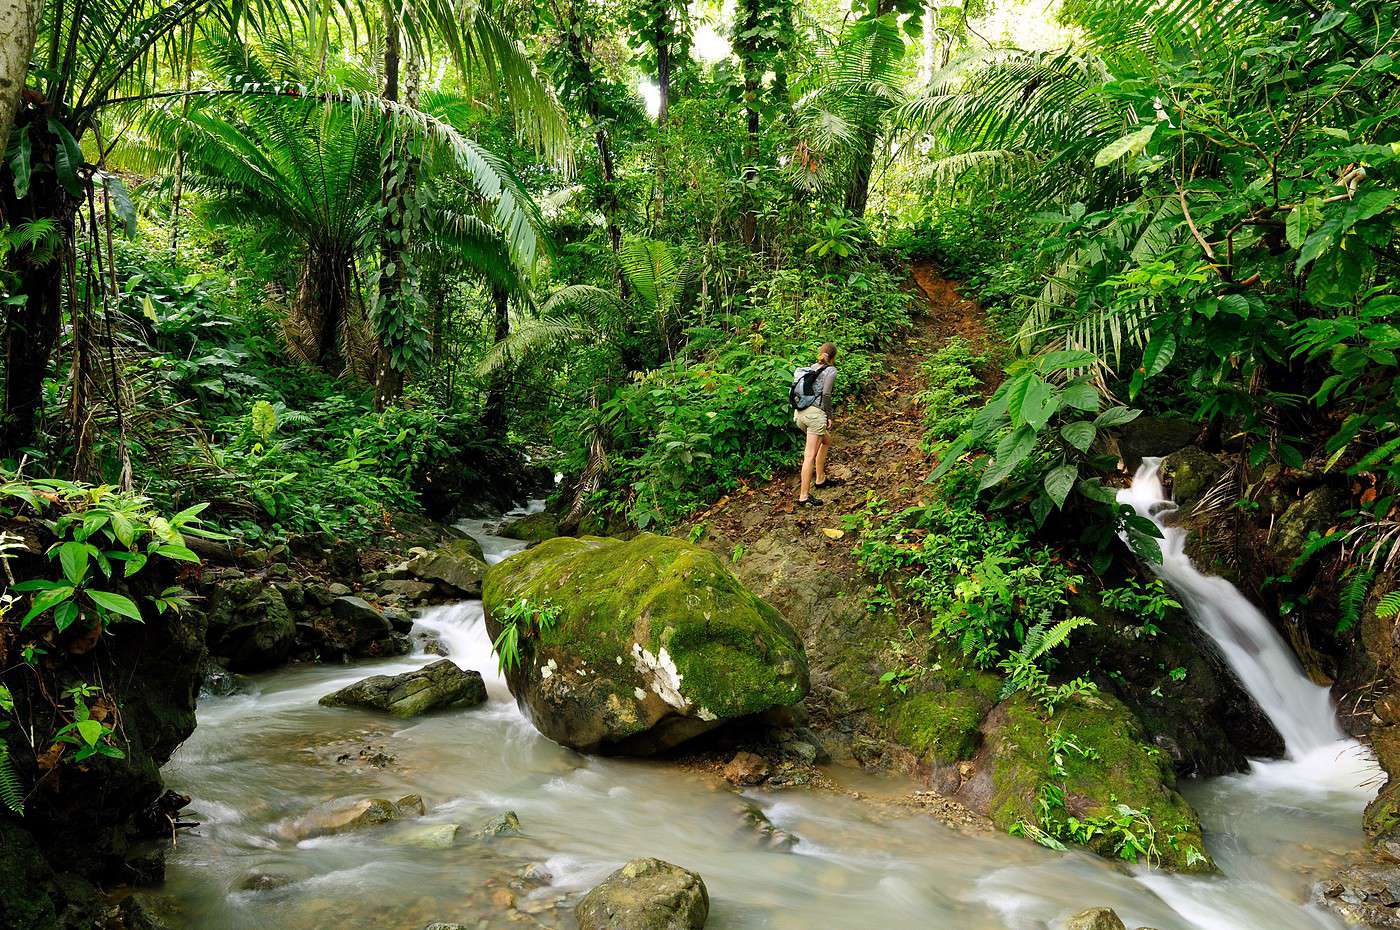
(646, 894)
(653, 642)
(437, 686)
(250, 627)
(1108, 771)
(457, 566)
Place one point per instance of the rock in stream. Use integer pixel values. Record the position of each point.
(646, 894)
(433, 687)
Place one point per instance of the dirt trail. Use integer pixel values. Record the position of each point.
(799, 559)
(876, 446)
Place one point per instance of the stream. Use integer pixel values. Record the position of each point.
(262, 759)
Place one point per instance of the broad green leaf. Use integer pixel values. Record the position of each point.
(1158, 355)
(950, 456)
(46, 600)
(1040, 402)
(177, 552)
(1010, 452)
(1059, 481)
(90, 730)
(21, 163)
(1116, 416)
(1079, 434)
(64, 615)
(116, 603)
(1130, 144)
(74, 556)
(1080, 395)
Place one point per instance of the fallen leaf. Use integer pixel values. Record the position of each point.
(832, 532)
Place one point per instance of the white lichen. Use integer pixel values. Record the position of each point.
(661, 675)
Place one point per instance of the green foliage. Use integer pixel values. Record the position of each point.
(103, 538)
(688, 430)
(1388, 606)
(949, 401)
(520, 621)
(1149, 601)
(987, 591)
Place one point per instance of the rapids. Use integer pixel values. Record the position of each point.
(260, 759)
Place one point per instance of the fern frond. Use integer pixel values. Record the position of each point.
(1389, 605)
(11, 792)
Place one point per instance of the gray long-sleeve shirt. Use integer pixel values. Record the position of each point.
(825, 382)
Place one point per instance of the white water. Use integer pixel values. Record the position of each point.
(1300, 710)
(260, 760)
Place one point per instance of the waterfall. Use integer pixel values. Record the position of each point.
(1300, 710)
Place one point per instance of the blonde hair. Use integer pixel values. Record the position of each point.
(827, 353)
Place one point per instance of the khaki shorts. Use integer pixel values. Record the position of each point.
(812, 420)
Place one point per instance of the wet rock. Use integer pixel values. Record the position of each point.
(370, 812)
(250, 627)
(400, 620)
(411, 805)
(646, 894)
(409, 589)
(757, 825)
(457, 565)
(1095, 918)
(805, 746)
(1368, 895)
(217, 681)
(1153, 436)
(746, 768)
(534, 528)
(655, 642)
(1191, 473)
(430, 836)
(502, 825)
(1008, 769)
(439, 925)
(258, 880)
(438, 686)
(1318, 511)
(336, 589)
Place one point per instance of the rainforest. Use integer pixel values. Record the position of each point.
(746, 465)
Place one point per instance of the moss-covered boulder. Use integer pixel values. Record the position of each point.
(940, 722)
(438, 686)
(1109, 771)
(457, 566)
(532, 528)
(646, 894)
(1189, 474)
(250, 627)
(653, 642)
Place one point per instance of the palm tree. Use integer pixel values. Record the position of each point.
(93, 57)
(308, 165)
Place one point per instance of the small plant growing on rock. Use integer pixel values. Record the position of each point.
(519, 621)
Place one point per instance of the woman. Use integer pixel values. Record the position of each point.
(816, 422)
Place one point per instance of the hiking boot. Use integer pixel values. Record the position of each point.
(830, 483)
(811, 501)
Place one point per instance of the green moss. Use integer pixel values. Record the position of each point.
(941, 725)
(735, 653)
(1110, 764)
(535, 527)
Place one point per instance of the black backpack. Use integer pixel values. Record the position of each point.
(805, 391)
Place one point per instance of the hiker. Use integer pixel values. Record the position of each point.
(810, 398)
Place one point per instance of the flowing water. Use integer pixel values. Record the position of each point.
(260, 761)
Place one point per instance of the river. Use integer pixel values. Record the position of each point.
(264, 758)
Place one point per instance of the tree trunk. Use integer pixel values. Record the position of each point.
(858, 187)
(574, 41)
(662, 41)
(748, 59)
(395, 311)
(32, 328)
(19, 26)
(323, 303)
(494, 418)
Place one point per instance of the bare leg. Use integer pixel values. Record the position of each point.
(820, 463)
(809, 461)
